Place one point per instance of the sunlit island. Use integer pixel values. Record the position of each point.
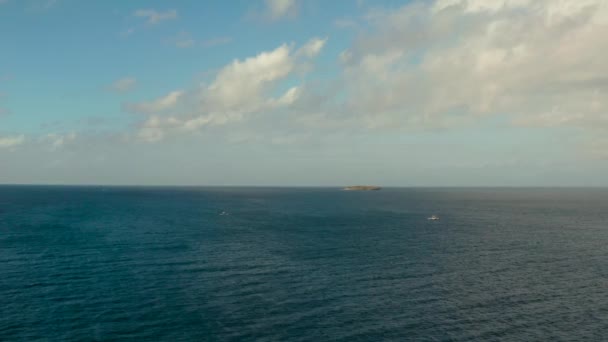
(361, 188)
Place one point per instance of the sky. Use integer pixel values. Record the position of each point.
(304, 92)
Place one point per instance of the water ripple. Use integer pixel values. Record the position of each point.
(79, 264)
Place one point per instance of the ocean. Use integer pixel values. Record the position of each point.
(303, 264)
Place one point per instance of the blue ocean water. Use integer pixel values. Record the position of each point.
(302, 264)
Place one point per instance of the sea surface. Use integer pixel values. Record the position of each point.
(302, 264)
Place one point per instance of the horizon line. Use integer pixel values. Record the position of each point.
(84, 185)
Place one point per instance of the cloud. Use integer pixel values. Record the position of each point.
(423, 66)
(312, 48)
(278, 9)
(161, 104)
(448, 62)
(239, 85)
(124, 85)
(241, 89)
(154, 17)
(11, 141)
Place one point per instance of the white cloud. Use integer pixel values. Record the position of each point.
(425, 65)
(11, 141)
(154, 17)
(447, 62)
(240, 89)
(239, 85)
(124, 84)
(313, 47)
(163, 103)
(290, 96)
(277, 9)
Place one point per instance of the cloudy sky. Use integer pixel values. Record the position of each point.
(304, 92)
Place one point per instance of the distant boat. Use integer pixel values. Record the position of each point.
(223, 213)
(433, 218)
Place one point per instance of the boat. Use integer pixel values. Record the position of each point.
(433, 218)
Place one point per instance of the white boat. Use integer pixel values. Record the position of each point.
(433, 218)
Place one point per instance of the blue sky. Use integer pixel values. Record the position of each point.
(68, 52)
(304, 92)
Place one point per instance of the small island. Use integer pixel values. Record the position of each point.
(361, 188)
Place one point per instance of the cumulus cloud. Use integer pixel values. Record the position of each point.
(154, 17)
(239, 90)
(11, 141)
(277, 9)
(445, 62)
(425, 65)
(312, 48)
(239, 85)
(124, 85)
(163, 103)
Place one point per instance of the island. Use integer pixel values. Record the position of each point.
(361, 188)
